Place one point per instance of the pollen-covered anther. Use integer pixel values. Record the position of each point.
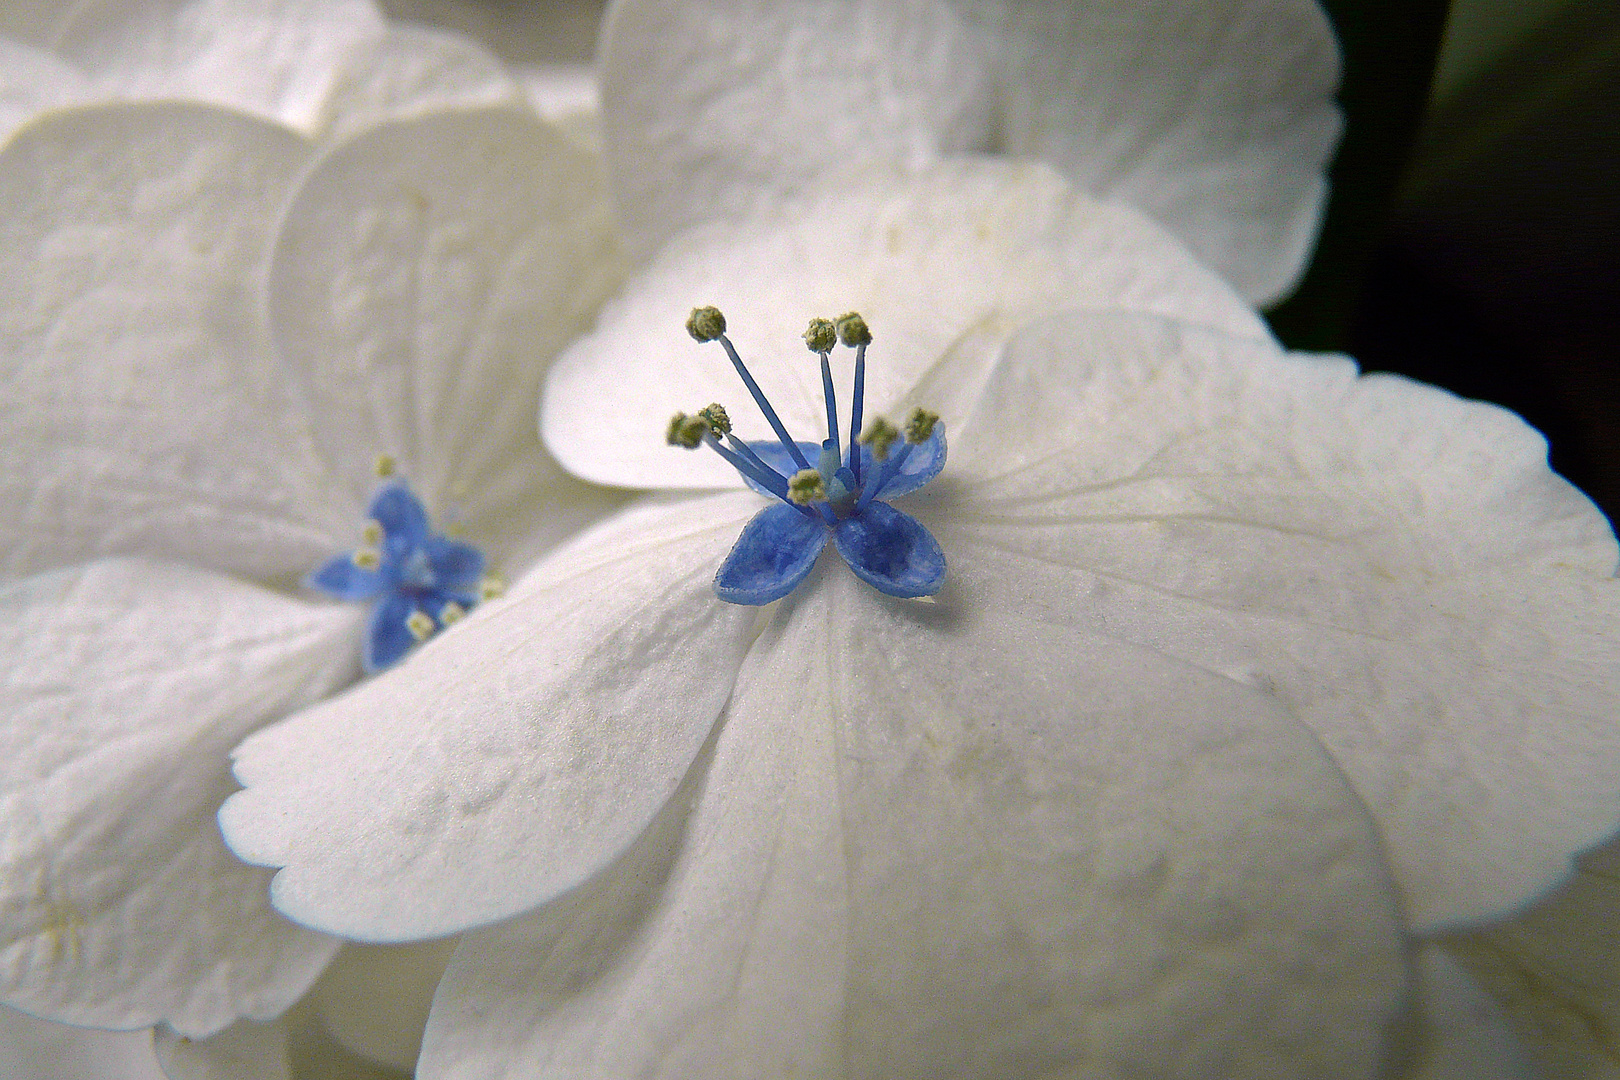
(421, 625)
(852, 329)
(384, 465)
(367, 558)
(879, 435)
(706, 323)
(490, 586)
(451, 613)
(715, 416)
(372, 533)
(821, 336)
(920, 425)
(807, 486)
(686, 431)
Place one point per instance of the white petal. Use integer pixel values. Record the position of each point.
(426, 273)
(1396, 565)
(277, 59)
(412, 70)
(1214, 117)
(932, 842)
(562, 93)
(966, 246)
(1465, 1034)
(374, 999)
(129, 682)
(37, 22)
(32, 81)
(34, 1049)
(1556, 969)
(142, 410)
(712, 110)
(512, 757)
(243, 1051)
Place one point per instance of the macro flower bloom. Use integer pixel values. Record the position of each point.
(1247, 673)
(214, 326)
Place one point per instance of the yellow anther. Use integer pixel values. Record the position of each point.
(490, 586)
(451, 613)
(879, 435)
(715, 416)
(367, 558)
(806, 486)
(686, 431)
(706, 323)
(372, 532)
(920, 425)
(821, 335)
(852, 329)
(420, 624)
(384, 465)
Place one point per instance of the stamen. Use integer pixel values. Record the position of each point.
(421, 625)
(452, 612)
(767, 477)
(852, 330)
(821, 336)
(920, 425)
(367, 558)
(715, 416)
(707, 324)
(490, 586)
(686, 431)
(372, 533)
(806, 487)
(384, 466)
(879, 435)
(827, 385)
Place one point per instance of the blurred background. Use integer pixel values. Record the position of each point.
(1472, 237)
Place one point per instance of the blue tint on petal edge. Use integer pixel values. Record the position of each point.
(776, 550)
(891, 551)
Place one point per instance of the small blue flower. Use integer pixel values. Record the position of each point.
(842, 496)
(421, 580)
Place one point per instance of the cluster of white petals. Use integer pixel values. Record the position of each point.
(1252, 681)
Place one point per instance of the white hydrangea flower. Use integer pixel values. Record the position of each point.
(1245, 670)
(214, 326)
(1216, 118)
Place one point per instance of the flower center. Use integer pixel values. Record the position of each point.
(418, 580)
(842, 495)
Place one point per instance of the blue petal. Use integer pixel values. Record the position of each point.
(341, 578)
(922, 465)
(774, 454)
(891, 551)
(402, 517)
(776, 550)
(388, 638)
(456, 566)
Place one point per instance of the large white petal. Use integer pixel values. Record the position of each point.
(713, 110)
(34, 1049)
(140, 409)
(1398, 566)
(511, 758)
(1556, 969)
(128, 683)
(925, 258)
(936, 842)
(427, 272)
(277, 59)
(32, 81)
(411, 70)
(1214, 116)
(1465, 1034)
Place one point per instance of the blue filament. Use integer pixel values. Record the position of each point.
(885, 547)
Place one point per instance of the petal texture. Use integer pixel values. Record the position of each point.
(34, 1049)
(774, 552)
(967, 246)
(277, 59)
(142, 411)
(716, 109)
(1398, 566)
(1465, 1033)
(902, 861)
(31, 81)
(426, 272)
(128, 681)
(1214, 117)
(544, 733)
